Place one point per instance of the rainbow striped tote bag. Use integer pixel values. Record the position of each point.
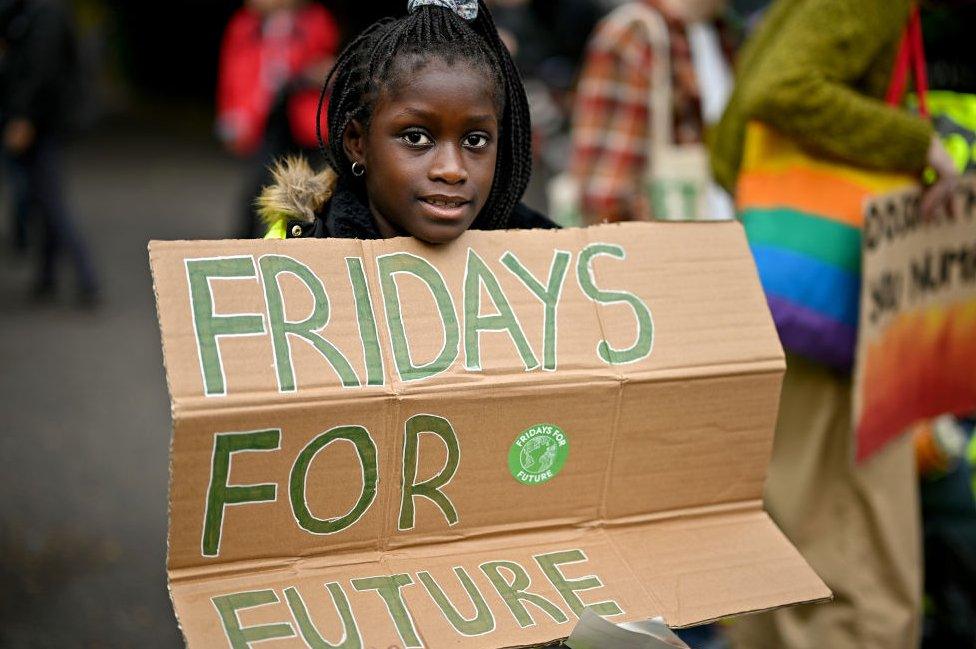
(803, 218)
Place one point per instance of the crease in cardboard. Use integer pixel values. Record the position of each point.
(646, 588)
(264, 398)
(395, 433)
(614, 430)
(710, 514)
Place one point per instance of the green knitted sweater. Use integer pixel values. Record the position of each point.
(817, 71)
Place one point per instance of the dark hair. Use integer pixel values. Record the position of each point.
(376, 58)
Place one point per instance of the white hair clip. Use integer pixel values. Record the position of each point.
(467, 9)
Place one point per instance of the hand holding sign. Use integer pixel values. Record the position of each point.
(939, 194)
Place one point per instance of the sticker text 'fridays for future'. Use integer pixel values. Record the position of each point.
(209, 326)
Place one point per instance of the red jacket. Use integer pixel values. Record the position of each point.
(261, 55)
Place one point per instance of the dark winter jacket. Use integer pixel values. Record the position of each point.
(303, 203)
(39, 67)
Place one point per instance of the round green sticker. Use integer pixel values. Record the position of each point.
(538, 454)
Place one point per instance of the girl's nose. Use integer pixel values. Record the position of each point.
(448, 166)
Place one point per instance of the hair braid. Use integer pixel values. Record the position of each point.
(373, 61)
(519, 131)
(338, 78)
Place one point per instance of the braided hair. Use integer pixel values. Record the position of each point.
(376, 59)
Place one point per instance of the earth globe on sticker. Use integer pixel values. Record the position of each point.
(538, 454)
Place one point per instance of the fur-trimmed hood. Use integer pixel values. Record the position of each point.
(297, 193)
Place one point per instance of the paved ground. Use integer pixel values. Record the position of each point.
(84, 418)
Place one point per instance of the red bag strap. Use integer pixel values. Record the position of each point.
(911, 56)
(918, 60)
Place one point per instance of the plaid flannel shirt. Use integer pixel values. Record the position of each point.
(610, 120)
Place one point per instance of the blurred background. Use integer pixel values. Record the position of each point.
(84, 421)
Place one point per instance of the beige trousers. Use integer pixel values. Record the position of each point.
(858, 527)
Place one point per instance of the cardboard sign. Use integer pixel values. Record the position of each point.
(917, 340)
(392, 444)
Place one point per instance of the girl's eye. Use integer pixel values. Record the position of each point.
(475, 140)
(416, 138)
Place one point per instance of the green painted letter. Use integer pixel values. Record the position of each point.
(645, 324)
(548, 294)
(403, 262)
(482, 622)
(271, 267)
(514, 592)
(477, 274)
(242, 637)
(350, 630)
(367, 322)
(567, 587)
(366, 450)
(430, 489)
(220, 493)
(388, 588)
(210, 327)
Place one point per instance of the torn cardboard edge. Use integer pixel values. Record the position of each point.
(622, 422)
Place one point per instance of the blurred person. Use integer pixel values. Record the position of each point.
(547, 39)
(273, 57)
(946, 447)
(531, 43)
(39, 73)
(613, 145)
(16, 184)
(945, 452)
(817, 71)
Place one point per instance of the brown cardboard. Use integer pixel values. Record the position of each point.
(656, 510)
(917, 338)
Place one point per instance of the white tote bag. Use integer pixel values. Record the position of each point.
(676, 181)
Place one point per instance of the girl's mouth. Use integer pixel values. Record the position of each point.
(445, 207)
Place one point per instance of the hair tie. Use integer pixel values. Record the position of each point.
(467, 9)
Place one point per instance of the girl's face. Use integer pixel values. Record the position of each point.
(429, 151)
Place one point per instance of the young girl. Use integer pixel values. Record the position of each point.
(428, 135)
